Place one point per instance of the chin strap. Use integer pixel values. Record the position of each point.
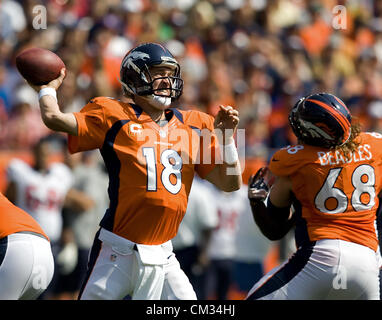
(160, 102)
(166, 101)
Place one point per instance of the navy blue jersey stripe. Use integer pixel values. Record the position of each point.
(3, 248)
(301, 230)
(137, 109)
(196, 129)
(286, 273)
(113, 166)
(177, 114)
(94, 253)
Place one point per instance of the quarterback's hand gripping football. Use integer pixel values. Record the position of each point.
(259, 185)
(55, 84)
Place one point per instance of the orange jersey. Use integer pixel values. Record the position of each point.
(13, 219)
(151, 168)
(338, 195)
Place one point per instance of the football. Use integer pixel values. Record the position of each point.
(39, 66)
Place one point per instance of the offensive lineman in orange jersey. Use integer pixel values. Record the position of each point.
(331, 179)
(151, 152)
(26, 260)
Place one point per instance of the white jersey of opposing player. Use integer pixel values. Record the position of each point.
(250, 244)
(237, 236)
(42, 195)
(229, 206)
(201, 214)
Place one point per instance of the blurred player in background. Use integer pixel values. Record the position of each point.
(26, 260)
(237, 248)
(221, 249)
(147, 149)
(332, 179)
(89, 177)
(42, 190)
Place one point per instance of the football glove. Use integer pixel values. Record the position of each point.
(259, 184)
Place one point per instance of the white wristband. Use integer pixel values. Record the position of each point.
(47, 92)
(229, 153)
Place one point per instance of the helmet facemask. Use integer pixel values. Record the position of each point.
(159, 94)
(173, 90)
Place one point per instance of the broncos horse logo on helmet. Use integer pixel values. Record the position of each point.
(135, 71)
(321, 120)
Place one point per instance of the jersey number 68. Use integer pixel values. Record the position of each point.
(363, 181)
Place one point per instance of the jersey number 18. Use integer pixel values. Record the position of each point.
(172, 163)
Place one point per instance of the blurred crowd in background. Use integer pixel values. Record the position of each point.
(260, 56)
(257, 55)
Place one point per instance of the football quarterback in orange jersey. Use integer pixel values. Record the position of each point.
(331, 180)
(151, 152)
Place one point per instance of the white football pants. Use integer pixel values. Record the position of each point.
(26, 267)
(118, 267)
(324, 269)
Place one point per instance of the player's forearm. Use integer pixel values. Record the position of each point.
(78, 201)
(54, 119)
(229, 170)
(230, 177)
(273, 222)
(226, 176)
